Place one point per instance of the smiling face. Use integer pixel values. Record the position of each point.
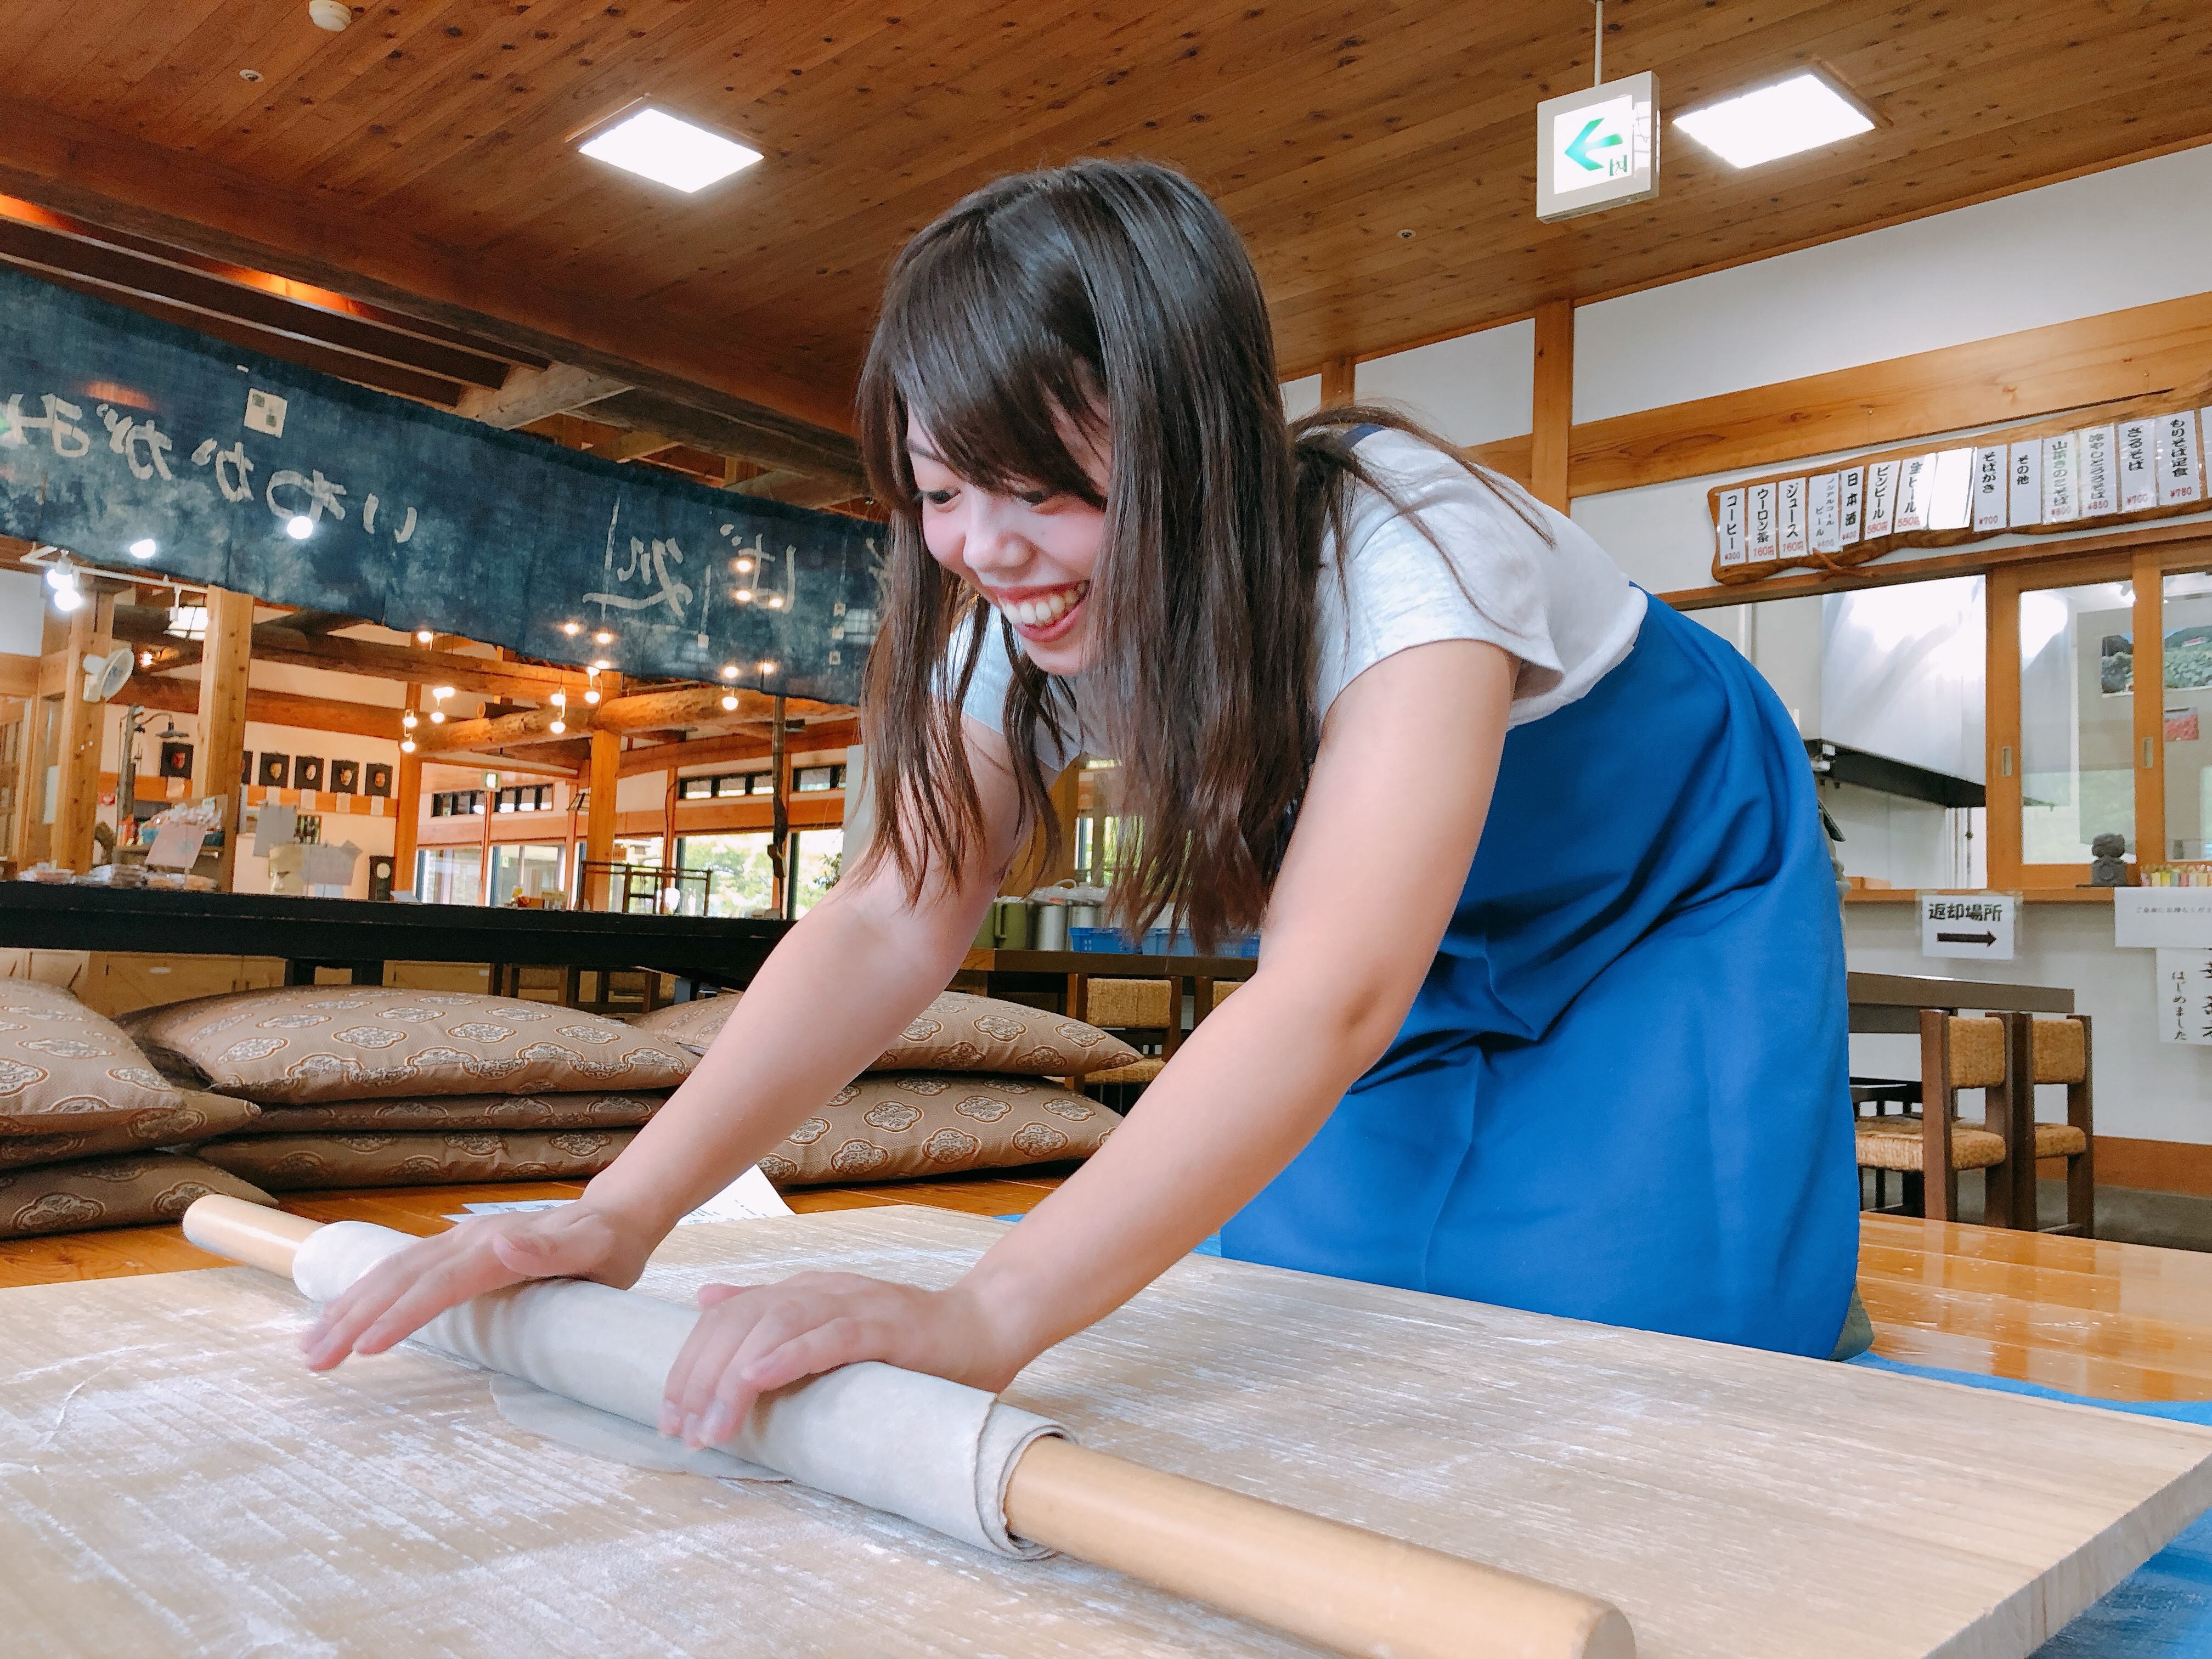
(1031, 554)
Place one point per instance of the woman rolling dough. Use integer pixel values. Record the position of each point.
(1550, 1008)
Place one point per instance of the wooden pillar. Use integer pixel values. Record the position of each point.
(779, 840)
(2000, 701)
(219, 758)
(1338, 381)
(599, 814)
(2148, 843)
(407, 808)
(1552, 431)
(76, 801)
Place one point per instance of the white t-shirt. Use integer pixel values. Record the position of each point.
(1563, 610)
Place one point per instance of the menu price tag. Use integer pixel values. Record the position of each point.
(1728, 529)
(1851, 515)
(2177, 479)
(1827, 513)
(1792, 491)
(1975, 925)
(2024, 488)
(1759, 515)
(1951, 489)
(2061, 461)
(2138, 441)
(1881, 498)
(1912, 486)
(1990, 487)
(2100, 482)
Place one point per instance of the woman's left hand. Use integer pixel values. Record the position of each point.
(753, 1338)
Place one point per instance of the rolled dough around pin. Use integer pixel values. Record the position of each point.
(602, 1434)
(935, 1452)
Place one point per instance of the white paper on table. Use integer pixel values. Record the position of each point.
(2138, 465)
(328, 866)
(176, 847)
(2184, 997)
(273, 826)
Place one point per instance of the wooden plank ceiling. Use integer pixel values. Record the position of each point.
(1378, 157)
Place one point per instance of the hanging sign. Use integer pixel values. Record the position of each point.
(140, 446)
(2184, 997)
(1969, 925)
(1597, 148)
(2049, 477)
(2158, 918)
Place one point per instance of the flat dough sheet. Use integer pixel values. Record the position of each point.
(171, 1481)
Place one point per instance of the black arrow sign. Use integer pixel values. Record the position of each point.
(1967, 939)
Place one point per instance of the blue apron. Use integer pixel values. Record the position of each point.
(1621, 1094)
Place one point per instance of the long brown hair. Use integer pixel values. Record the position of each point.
(1113, 296)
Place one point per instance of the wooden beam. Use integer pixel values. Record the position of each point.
(1340, 381)
(599, 812)
(306, 714)
(1510, 456)
(2010, 377)
(76, 801)
(278, 640)
(737, 746)
(1553, 408)
(532, 394)
(19, 676)
(634, 446)
(683, 710)
(800, 489)
(219, 756)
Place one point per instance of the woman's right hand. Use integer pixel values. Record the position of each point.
(404, 1292)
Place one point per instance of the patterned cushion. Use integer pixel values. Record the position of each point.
(450, 1114)
(196, 1117)
(888, 1125)
(695, 1023)
(288, 1164)
(63, 1069)
(958, 1032)
(325, 1042)
(110, 1192)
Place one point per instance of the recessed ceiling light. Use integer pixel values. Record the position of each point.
(655, 145)
(1800, 113)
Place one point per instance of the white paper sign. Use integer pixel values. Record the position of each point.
(2061, 498)
(2160, 918)
(1990, 487)
(274, 826)
(1950, 490)
(1759, 515)
(1792, 492)
(176, 847)
(2184, 997)
(1912, 495)
(2176, 459)
(2138, 441)
(2100, 481)
(2025, 505)
(1852, 518)
(1728, 528)
(1881, 498)
(1975, 925)
(1827, 513)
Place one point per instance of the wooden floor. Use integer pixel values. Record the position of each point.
(2120, 1321)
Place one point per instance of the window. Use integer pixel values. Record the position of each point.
(2077, 766)
(457, 804)
(811, 778)
(722, 786)
(816, 858)
(536, 798)
(449, 875)
(2186, 634)
(529, 868)
(743, 884)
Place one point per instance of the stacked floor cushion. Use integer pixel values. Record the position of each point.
(84, 1118)
(971, 1083)
(361, 1086)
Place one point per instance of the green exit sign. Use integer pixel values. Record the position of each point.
(1597, 148)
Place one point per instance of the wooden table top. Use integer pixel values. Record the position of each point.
(2120, 1321)
(1929, 991)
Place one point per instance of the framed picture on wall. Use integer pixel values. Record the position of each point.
(275, 771)
(345, 777)
(308, 772)
(176, 759)
(376, 779)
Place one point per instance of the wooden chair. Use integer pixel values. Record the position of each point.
(1140, 1011)
(1930, 1146)
(2055, 1051)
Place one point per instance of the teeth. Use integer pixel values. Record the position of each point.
(1040, 612)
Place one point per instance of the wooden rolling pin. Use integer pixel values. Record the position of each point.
(1344, 1588)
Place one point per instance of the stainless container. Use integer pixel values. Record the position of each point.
(1049, 929)
(1083, 916)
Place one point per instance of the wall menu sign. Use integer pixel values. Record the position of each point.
(134, 444)
(1597, 148)
(2143, 460)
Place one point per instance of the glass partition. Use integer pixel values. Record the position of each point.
(2077, 771)
(2186, 631)
(530, 868)
(817, 855)
(449, 875)
(744, 883)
